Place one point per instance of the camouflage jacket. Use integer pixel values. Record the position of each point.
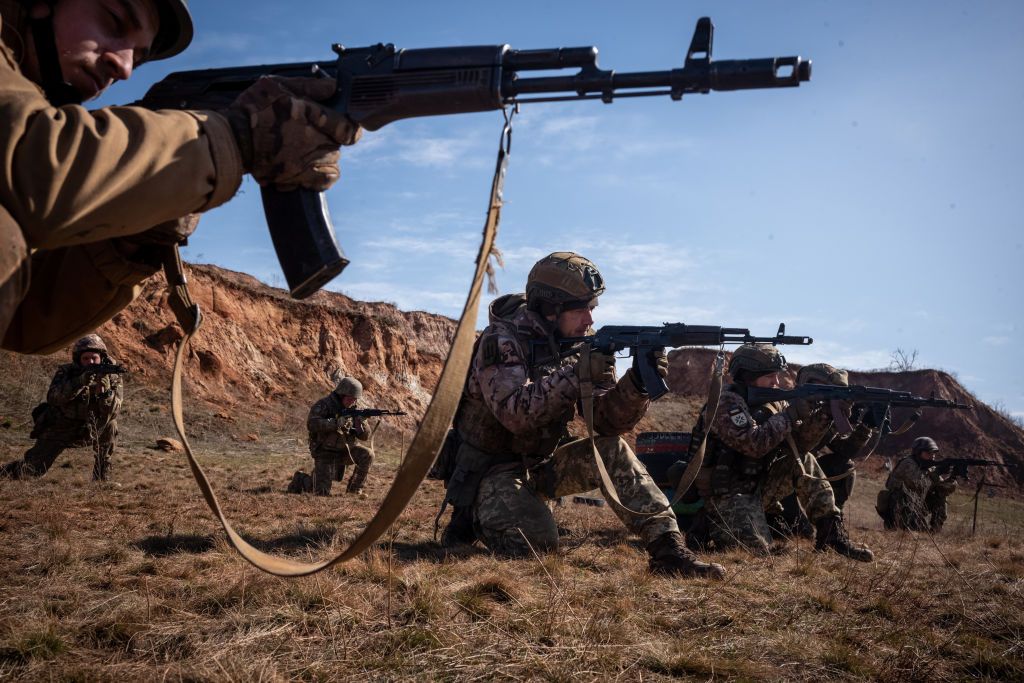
(915, 481)
(516, 406)
(331, 432)
(845, 447)
(78, 400)
(737, 429)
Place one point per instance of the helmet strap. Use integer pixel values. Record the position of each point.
(58, 91)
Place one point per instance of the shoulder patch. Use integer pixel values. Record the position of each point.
(489, 350)
(738, 417)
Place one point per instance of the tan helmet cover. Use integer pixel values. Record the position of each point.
(822, 373)
(563, 277)
(924, 443)
(90, 342)
(761, 357)
(349, 386)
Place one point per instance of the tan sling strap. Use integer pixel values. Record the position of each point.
(692, 468)
(429, 436)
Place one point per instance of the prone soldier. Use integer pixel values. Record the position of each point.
(747, 469)
(334, 440)
(80, 411)
(516, 455)
(915, 493)
(93, 200)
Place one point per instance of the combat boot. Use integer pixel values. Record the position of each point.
(670, 556)
(459, 530)
(831, 533)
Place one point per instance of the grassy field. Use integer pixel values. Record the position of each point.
(131, 580)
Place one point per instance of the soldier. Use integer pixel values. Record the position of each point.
(517, 403)
(333, 438)
(835, 451)
(749, 467)
(81, 191)
(80, 411)
(915, 493)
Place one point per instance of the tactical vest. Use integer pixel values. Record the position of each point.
(731, 472)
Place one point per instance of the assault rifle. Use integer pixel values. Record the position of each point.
(874, 403)
(380, 84)
(641, 341)
(958, 466)
(102, 369)
(363, 413)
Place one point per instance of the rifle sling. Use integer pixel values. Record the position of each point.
(429, 437)
(692, 468)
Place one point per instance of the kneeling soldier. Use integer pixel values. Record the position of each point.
(334, 437)
(80, 411)
(519, 398)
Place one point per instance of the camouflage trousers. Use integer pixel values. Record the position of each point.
(40, 458)
(740, 519)
(907, 511)
(329, 467)
(511, 512)
(833, 465)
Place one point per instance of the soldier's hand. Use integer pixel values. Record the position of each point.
(286, 137)
(601, 369)
(800, 410)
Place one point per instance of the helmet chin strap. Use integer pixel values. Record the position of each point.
(58, 91)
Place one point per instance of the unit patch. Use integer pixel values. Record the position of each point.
(738, 417)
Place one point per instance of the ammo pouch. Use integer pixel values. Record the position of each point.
(444, 466)
(734, 473)
(42, 416)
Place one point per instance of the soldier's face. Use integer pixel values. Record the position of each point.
(90, 358)
(98, 41)
(927, 455)
(348, 401)
(770, 381)
(576, 322)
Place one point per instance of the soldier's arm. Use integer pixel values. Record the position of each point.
(79, 176)
(737, 429)
(321, 419)
(519, 404)
(618, 410)
(66, 387)
(810, 433)
(851, 445)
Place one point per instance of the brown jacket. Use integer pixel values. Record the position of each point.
(72, 182)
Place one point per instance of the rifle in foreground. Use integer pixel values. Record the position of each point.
(363, 413)
(380, 84)
(959, 466)
(102, 369)
(641, 341)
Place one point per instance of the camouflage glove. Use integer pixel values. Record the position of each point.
(287, 139)
(800, 410)
(602, 368)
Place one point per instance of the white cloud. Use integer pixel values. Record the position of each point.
(997, 340)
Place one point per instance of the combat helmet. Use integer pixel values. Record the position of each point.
(822, 373)
(924, 443)
(349, 386)
(90, 342)
(753, 360)
(562, 281)
(175, 32)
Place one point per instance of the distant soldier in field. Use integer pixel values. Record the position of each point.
(749, 466)
(80, 411)
(915, 493)
(516, 454)
(334, 442)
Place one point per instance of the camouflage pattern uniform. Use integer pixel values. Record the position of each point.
(333, 443)
(81, 412)
(515, 411)
(835, 455)
(915, 496)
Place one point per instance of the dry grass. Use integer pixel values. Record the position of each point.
(132, 580)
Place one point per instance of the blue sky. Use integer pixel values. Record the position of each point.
(877, 207)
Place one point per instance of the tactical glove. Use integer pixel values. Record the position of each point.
(800, 410)
(286, 138)
(601, 370)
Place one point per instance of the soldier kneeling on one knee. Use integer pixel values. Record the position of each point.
(80, 411)
(334, 440)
